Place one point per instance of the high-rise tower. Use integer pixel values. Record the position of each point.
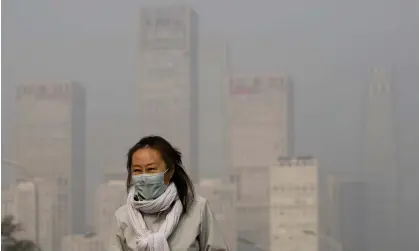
(51, 147)
(168, 87)
(381, 164)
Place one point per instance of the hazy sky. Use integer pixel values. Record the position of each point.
(326, 46)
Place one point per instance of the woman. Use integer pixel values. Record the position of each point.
(162, 212)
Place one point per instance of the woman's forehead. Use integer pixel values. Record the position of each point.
(146, 156)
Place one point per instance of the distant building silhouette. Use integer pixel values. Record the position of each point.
(294, 205)
(260, 119)
(380, 164)
(222, 198)
(260, 129)
(346, 214)
(110, 195)
(51, 123)
(168, 78)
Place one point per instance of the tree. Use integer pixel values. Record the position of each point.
(9, 242)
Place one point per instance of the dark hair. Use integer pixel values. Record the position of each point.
(173, 160)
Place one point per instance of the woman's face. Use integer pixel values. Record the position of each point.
(148, 160)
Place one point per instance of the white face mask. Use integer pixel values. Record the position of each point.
(149, 186)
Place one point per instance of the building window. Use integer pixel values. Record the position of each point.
(163, 22)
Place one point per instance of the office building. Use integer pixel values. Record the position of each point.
(222, 199)
(381, 165)
(110, 196)
(51, 147)
(261, 119)
(252, 209)
(294, 223)
(50, 212)
(168, 78)
(26, 209)
(34, 204)
(213, 100)
(347, 211)
(260, 131)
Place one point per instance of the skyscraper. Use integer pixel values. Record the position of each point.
(111, 194)
(168, 72)
(49, 224)
(345, 216)
(222, 196)
(213, 117)
(260, 131)
(381, 164)
(294, 206)
(261, 119)
(51, 147)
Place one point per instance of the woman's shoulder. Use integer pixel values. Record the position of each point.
(198, 204)
(200, 200)
(121, 211)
